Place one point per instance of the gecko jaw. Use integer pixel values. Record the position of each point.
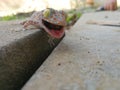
(55, 31)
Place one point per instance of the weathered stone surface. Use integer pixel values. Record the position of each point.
(21, 53)
(87, 59)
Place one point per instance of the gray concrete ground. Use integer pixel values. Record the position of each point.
(88, 58)
(21, 53)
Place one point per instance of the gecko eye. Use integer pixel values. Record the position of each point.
(51, 26)
(46, 13)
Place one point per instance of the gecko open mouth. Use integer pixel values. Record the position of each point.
(56, 31)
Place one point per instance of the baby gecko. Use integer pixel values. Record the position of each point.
(50, 20)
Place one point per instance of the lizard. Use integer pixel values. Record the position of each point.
(50, 20)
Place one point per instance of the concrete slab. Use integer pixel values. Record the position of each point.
(21, 53)
(87, 59)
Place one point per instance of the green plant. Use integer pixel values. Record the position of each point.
(11, 17)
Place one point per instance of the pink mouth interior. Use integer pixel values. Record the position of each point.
(57, 33)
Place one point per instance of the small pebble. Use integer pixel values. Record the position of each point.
(59, 64)
(88, 51)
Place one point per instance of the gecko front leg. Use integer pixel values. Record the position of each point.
(51, 41)
(30, 24)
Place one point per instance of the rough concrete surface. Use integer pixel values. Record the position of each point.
(88, 58)
(21, 53)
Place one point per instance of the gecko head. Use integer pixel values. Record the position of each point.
(54, 22)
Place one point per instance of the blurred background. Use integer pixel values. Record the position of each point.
(20, 9)
(8, 7)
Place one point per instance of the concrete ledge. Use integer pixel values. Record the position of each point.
(21, 53)
(87, 59)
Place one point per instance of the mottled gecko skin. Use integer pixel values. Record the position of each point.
(52, 21)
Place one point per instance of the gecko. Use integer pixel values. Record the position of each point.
(50, 20)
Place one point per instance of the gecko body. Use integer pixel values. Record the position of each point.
(50, 20)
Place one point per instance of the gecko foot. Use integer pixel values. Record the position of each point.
(51, 41)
